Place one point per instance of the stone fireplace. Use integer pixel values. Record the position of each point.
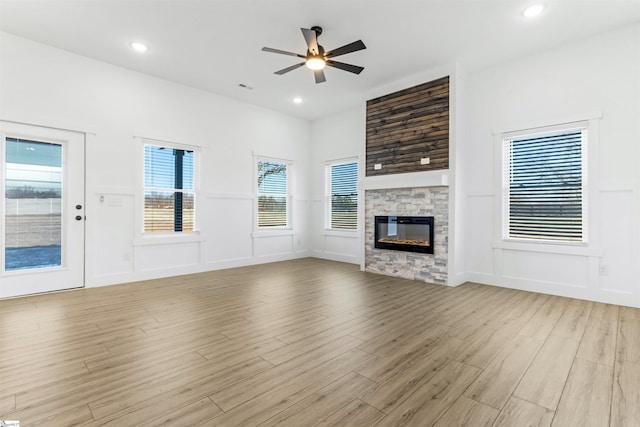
(409, 202)
(406, 175)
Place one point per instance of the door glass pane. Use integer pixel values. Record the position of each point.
(33, 205)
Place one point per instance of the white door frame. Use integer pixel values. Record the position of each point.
(71, 274)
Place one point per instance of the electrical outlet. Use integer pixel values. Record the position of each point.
(425, 161)
(377, 166)
(604, 270)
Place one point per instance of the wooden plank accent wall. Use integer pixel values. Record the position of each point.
(405, 126)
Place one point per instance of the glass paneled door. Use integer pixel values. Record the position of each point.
(43, 212)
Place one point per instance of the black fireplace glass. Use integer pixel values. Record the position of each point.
(404, 233)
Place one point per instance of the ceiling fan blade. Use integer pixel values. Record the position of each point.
(348, 48)
(319, 74)
(346, 67)
(311, 38)
(282, 52)
(286, 70)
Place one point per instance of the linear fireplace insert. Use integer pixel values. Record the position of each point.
(404, 233)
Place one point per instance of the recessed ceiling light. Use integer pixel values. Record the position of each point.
(533, 10)
(297, 100)
(139, 47)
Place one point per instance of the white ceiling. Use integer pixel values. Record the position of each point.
(215, 44)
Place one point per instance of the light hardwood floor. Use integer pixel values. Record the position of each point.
(312, 342)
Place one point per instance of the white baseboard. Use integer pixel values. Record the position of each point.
(136, 276)
(332, 256)
(551, 288)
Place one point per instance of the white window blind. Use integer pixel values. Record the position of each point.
(272, 194)
(169, 197)
(545, 186)
(343, 203)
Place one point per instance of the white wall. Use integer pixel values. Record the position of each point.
(46, 86)
(459, 127)
(340, 136)
(595, 77)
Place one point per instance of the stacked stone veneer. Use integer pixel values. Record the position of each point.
(422, 201)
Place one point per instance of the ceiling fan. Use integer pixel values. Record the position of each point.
(316, 58)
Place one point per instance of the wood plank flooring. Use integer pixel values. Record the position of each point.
(316, 343)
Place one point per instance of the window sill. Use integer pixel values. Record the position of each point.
(168, 239)
(353, 234)
(258, 234)
(581, 249)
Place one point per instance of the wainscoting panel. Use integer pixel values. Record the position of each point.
(230, 223)
(617, 225)
(156, 257)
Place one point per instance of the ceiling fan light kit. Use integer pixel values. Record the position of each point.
(316, 58)
(315, 63)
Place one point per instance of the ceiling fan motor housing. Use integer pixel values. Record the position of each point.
(320, 52)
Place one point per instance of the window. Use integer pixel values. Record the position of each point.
(342, 195)
(273, 203)
(544, 184)
(169, 196)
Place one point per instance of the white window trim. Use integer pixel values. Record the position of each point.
(285, 230)
(328, 231)
(143, 238)
(591, 241)
(342, 233)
